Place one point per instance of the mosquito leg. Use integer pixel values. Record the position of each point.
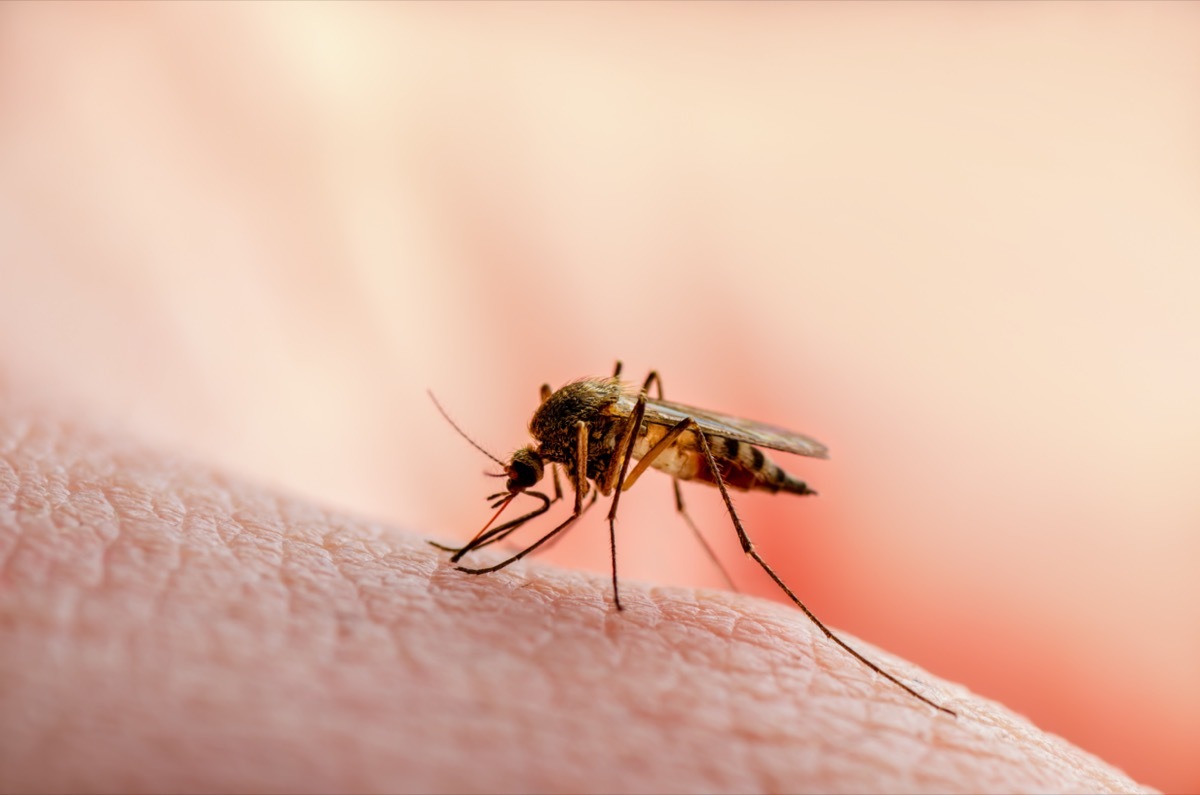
(654, 378)
(626, 443)
(499, 507)
(580, 477)
(503, 531)
(617, 370)
(749, 549)
(581, 461)
(525, 551)
(507, 529)
(645, 462)
(654, 452)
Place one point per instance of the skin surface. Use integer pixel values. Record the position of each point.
(168, 628)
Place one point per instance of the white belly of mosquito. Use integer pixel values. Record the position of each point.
(674, 461)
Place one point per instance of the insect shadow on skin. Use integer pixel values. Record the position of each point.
(594, 428)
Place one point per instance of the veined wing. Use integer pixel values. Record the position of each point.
(663, 412)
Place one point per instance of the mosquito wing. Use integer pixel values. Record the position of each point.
(663, 412)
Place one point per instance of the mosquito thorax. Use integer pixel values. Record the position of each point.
(524, 470)
(554, 423)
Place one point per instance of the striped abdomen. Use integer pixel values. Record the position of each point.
(743, 466)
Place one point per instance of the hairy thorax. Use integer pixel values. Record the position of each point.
(555, 424)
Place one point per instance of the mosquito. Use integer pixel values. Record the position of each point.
(595, 428)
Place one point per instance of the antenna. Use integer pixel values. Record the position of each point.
(461, 432)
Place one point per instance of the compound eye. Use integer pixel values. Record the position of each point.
(521, 476)
(524, 470)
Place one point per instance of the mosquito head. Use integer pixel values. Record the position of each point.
(524, 470)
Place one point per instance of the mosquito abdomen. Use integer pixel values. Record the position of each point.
(747, 460)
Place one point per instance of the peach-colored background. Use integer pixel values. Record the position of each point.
(958, 243)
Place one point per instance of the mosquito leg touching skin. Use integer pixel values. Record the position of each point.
(689, 424)
(615, 479)
(749, 549)
(497, 533)
(581, 464)
(508, 528)
(645, 462)
(509, 561)
(580, 483)
(503, 531)
(483, 531)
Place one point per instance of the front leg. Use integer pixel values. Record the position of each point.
(580, 484)
(581, 462)
(503, 531)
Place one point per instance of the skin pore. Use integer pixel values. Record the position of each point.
(166, 627)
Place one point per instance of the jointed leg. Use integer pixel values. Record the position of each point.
(628, 437)
(580, 466)
(580, 485)
(523, 552)
(749, 549)
(505, 530)
(664, 443)
(482, 539)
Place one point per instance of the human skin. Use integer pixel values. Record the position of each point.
(165, 627)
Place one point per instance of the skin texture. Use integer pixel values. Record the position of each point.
(168, 628)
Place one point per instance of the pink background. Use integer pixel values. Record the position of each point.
(960, 244)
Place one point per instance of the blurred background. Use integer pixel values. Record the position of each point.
(958, 243)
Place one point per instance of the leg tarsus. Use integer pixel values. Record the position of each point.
(627, 442)
(498, 533)
(749, 549)
(513, 559)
